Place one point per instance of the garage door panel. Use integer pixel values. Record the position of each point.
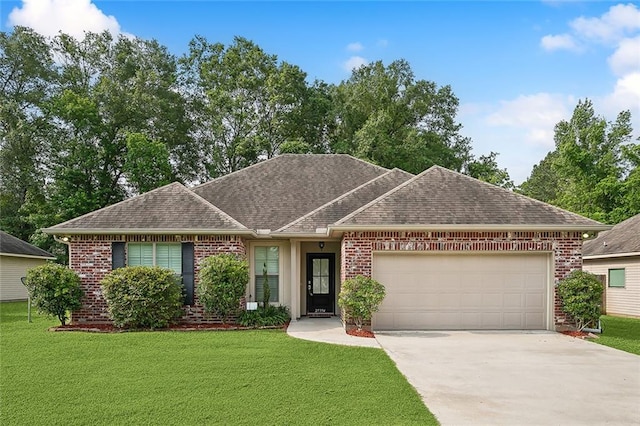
(462, 291)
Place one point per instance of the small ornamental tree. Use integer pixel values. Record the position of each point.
(54, 290)
(222, 283)
(581, 295)
(143, 296)
(360, 297)
(266, 290)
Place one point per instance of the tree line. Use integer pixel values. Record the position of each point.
(85, 123)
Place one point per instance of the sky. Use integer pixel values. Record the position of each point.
(517, 67)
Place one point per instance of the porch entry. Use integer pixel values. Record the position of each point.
(321, 283)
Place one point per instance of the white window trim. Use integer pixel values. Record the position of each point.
(252, 269)
(153, 250)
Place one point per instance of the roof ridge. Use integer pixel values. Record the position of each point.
(116, 204)
(381, 197)
(335, 200)
(213, 207)
(288, 155)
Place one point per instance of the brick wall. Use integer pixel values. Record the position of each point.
(90, 257)
(566, 247)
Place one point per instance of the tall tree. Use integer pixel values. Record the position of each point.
(243, 102)
(383, 114)
(486, 169)
(26, 72)
(593, 168)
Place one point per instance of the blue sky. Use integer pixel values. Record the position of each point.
(517, 67)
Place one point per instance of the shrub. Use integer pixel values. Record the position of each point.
(263, 317)
(143, 296)
(222, 283)
(360, 297)
(581, 295)
(54, 289)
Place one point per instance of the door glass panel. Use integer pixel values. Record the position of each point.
(320, 275)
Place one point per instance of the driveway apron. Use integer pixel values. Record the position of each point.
(518, 378)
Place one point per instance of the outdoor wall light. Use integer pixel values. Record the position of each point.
(321, 245)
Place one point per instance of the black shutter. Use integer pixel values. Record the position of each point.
(187, 272)
(117, 255)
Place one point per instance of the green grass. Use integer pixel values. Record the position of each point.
(230, 377)
(620, 333)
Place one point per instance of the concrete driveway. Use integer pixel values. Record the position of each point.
(518, 378)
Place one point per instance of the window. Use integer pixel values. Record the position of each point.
(156, 254)
(616, 277)
(267, 259)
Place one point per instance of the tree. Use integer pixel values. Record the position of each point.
(593, 170)
(244, 103)
(54, 290)
(147, 165)
(384, 115)
(486, 169)
(26, 73)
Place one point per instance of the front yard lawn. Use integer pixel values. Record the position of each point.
(170, 378)
(620, 333)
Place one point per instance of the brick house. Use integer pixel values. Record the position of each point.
(453, 252)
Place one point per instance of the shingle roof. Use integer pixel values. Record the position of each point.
(15, 246)
(273, 193)
(347, 203)
(622, 238)
(439, 196)
(171, 207)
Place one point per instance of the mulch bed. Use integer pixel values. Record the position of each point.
(580, 334)
(110, 328)
(361, 333)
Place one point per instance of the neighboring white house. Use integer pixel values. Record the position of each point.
(615, 254)
(16, 257)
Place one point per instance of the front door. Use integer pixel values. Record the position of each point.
(321, 283)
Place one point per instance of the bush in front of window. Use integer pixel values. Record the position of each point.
(581, 295)
(143, 296)
(360, 297)
(265, 317)
(54, 290)
(223, 279)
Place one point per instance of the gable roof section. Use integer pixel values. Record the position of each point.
(171, 208)
(274, 193)
(442, 199)
(347, 203)
(622, 239)
(12, 246)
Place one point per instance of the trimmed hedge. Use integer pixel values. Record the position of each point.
(581, 295)
(222, 283)
(265, 317)
(360, 297)
(143, 296)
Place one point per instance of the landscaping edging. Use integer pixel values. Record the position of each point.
(108, 328)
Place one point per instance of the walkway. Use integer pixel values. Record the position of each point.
(327, 330)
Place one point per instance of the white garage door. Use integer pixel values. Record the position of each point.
(462, 292)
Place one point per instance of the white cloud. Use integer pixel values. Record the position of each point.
(354, 62)
(625, 95)
(355, 47)
(557, 42)
(619, 21)
(626, 58)
(534, 115)
(73, 17)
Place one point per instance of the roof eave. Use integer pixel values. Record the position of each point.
(29, 256)
(611, 255)
(469, 227)
(147, 231)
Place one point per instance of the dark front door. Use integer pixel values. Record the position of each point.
(321, 283)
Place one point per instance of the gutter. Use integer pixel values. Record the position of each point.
(609, 256)
(137, 231)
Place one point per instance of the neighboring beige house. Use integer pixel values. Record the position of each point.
(615, 254)
(16, 257)
(452, 251)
